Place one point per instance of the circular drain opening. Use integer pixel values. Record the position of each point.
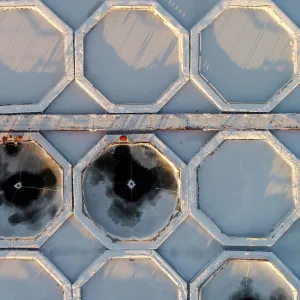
(18, 185)
(131, 184)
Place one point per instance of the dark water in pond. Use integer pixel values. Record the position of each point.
(32, 187)
(125, 169)
(120, 167)
(246, 291)
(31, 197)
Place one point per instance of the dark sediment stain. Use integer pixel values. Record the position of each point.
(31, 216)
(52, 210)
(48, 177)
(12, 149)
(32, 187)
(280, 294)
(32, 199)
(22, 197)
(124, 214)
(118, 166)
(246, 292)
(125, 169)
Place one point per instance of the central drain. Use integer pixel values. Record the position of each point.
(18, 185)
(131, 184)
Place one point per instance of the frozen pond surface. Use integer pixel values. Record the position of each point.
(239, 280)
(134, 279)
(245, 188)
(132, 57)
(246, 55)
(192, 255)
(74, 253)
(22, 279)
(31, 56)
(126, 47)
